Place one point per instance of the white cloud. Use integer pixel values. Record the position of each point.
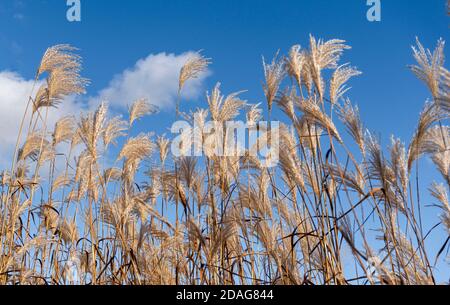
(13, 98)
(154, 78)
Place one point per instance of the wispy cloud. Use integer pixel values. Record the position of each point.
(155, 78)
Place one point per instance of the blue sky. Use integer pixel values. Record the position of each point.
(115, 34)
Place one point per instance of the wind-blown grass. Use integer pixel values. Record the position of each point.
(331, 212)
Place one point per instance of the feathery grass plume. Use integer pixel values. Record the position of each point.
(399, 165)
(62, 83)
(112, 174)
(118, 215)
(443, 99)
(250, 198)
(61, 181)
(115, 128)
(76, 137)
(68, 230)
(50, 217)
(295, 63)
(137, 148)
(163, 146)
(337, 84)
(82, 176)
(344, 176)
(223, 108)
(287, 101)
(430, 115)
(429, 65)
(323, 55)
(309, 133)
(439, 191)
(273, 74)
(60, 56)
(437, 145)
(63, 67)
(253, 115)
(33, 147)
(64, 130)
(187, 170)
(193, 68)
(139, 109)
(313, 114)
(378, 168)
(91, 128)
(349, 115)
(289, 159)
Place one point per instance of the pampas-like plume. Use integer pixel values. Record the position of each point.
(139, 109)
(430, 115)
(289, 159)
(295, 63)
(437, 144)
(137, 148)
(443, 99)
(193, 68)
(91, 128)
(64, 130)
(349, 115)
(287, 102)
(399, 164)
(313, 114)
(115, 128)
(254, 115)
(35, 145)
(223, 108)
(323, 55)
(60, 83)
(378, 168)
(274, 74)
(63, 67)
(348, 178)
(112, 174)
(61, 181)
(429, 65)
(68, 231)
(60, 56)
(163, 147)
(337, 84)
(439, 191)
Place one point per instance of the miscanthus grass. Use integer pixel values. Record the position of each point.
(339, 208)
